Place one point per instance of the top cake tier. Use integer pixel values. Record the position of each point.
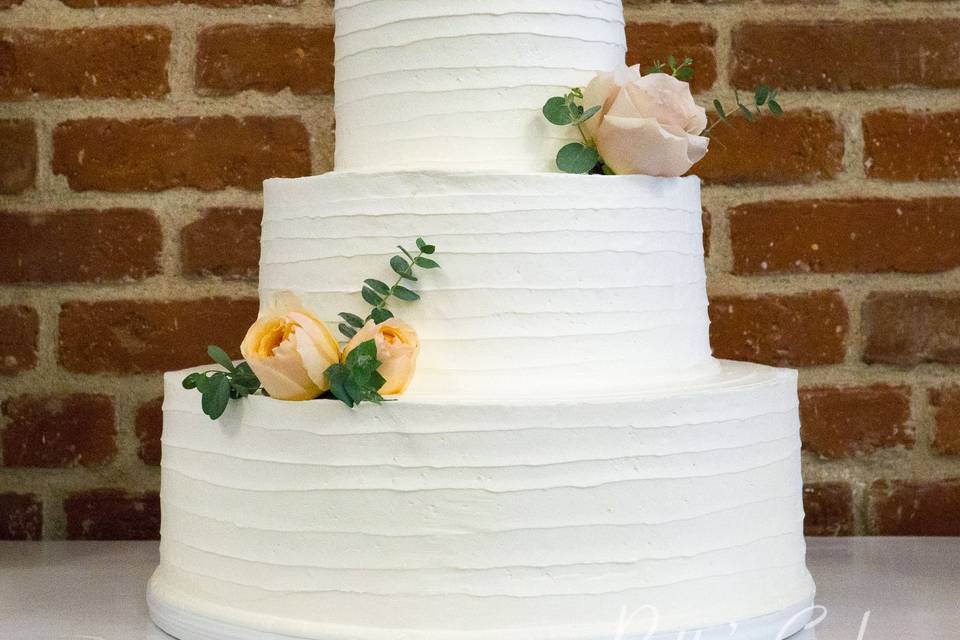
(458, 85)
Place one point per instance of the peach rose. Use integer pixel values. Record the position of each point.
(647, 124)
(397, 350)
(290, 349)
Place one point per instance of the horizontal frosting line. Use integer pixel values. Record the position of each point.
(433, 535)
(573, 211)
(343, 34)
(347, 5)
(513, 596)
(386, 49)
(747, 542)
(667, 285)
(604, 252)
(485, 490)
(788, 412)
(217, 454)
(561, 68)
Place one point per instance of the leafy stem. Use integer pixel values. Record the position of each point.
(763, 96)
(378, 293)
(219, 387)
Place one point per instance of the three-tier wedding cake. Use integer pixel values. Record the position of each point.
(570, 462)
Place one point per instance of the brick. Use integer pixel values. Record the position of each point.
(219, 4)
(848, 421)
(80, 245)
(112, 514)
(907, 146)
(18, 162)
(58, 431)
(6, 4)
(911, 328)
(870, 54)
(208, 153)
(19, 327)
(844, 236)
(149, 428)
(103, 62)
(793, 330)
(133, 336)
(946, 404)
(223, 243)
(809, 147)
(21, 516)
(916, 508)
(267, 58)
(829, 509)
(647, 42)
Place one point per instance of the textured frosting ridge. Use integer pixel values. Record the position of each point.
(529, 520)
(555, 282)
(434, 84)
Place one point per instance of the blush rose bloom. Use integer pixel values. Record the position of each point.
(290, 349)
(397, 350)
(648, 125)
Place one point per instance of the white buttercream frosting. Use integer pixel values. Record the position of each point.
(435, 84)
(436, 519)
(549, 282)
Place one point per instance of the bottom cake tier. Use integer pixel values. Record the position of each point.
(670, 509)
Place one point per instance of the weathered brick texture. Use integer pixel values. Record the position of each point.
(269, 58)
(848, 421)
(837, 236)
(21, 516)
(133, 336)
(905, 146)
(19, 326)
(58, 431)
(946, 403)
(829, 509)
(836, 55)
(108, 62)
(916, 508)
(18, 161)
(112, 514)
(911, 328)
(790, 330)
(808, 147)
(223, 242)
(79, 246)
(208, 153)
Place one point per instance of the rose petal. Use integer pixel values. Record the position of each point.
(642, 146)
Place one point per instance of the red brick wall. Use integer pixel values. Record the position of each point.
(134, 135)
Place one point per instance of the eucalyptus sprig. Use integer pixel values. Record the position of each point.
(356, 380)
(378, 293)
(567, 110)
(219, 387)
(681, 71)
(763, 97)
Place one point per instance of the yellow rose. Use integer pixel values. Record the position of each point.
(289, 349)
(397, 350)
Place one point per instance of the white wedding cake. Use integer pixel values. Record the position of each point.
(570, 463)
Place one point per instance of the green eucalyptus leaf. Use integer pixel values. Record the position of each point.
(577, 158)
(761, 94)
(371, 296)
(684, 73)
(381, 288)
(190, 382)
(221, 357)
(380, 315)
(557, 111)
(746, 113)
(426, 263)
(672, 61)
(405, 294)
(399, 265)
(354, 320)
(775, 108)
(718, 107)
(347, 330)
(405, 252)
(215, 400)
(589, 113)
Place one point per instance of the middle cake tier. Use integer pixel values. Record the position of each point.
(558, 282)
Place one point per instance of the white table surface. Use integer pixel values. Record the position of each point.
(893, 588)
